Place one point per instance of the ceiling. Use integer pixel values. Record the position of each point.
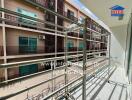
(101, 8)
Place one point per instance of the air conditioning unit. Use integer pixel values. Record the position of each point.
(41, 37)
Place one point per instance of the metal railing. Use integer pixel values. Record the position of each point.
(65, 58)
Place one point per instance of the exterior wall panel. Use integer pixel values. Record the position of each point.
(14, 4)
(13, 41)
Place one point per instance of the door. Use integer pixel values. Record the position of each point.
(28, 69)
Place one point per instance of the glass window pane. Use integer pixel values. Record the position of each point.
(32, 45)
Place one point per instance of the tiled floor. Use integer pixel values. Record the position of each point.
(99, 89)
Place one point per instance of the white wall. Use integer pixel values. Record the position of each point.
(118, 43)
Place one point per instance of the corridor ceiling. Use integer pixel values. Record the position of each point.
(101, 8)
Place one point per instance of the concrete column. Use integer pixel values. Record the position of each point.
(4, 38)
(84, 62)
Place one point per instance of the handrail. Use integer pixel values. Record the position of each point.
(38, 73)
(8, 65)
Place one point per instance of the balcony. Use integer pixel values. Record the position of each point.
(104, 39)
(89, 23)
(2, 79)
(72, 49)
(40, 2)
(60, 6)
(80, 49)
(60, 44)
(14, 20)
(95, 27)
(103, 46)
(73, 34)
(24, 22)
(64, 13)
(80, 35)
(60, 23)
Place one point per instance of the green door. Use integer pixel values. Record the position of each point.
(28, 69)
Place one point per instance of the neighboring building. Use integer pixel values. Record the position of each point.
(23, 39)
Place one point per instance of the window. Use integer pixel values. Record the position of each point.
(27, 45)
(24, 20)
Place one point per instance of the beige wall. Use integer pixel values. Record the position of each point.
(13, 35)
(14, 4)
(12, 71)
(118, 44)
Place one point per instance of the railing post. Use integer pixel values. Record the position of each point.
(84, 61)
(109, 56)
(65, 79)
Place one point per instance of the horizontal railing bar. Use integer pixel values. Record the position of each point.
(38, 73)
(7, 65)
(28, 17)
(46, 54)
(44, 28)
(96, 41)
(29, 76)
(35, 19)
(53, 93)
(50, 95)
(24, 90)
(97, 32)
(24, 77)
